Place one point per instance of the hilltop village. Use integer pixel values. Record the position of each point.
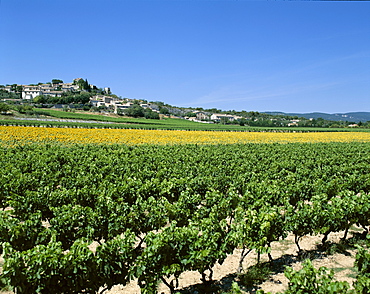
(103, 99)
(81, 95)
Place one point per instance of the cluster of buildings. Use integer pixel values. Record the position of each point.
(48, 89)
(115, 103)
(119, 104)
(217, 117)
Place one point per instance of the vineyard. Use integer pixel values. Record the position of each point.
(88, 214)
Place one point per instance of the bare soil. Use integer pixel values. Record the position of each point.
(284, 254)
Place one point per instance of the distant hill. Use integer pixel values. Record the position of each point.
(349, 116)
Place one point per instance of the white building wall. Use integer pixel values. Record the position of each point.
(30, 94)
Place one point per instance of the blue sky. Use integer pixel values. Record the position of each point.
(291, 56)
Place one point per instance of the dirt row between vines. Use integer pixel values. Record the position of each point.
(283, 252)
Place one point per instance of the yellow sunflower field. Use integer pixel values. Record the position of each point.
(13, 135)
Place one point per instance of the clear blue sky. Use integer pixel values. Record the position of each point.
(244, 55)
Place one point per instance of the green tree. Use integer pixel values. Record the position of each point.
(39, 99)
(164, 110)
(4, 107)
(119, 111)
(135, 111)
(148, 113)
(224, 120)
(13, 87)
(86, 86)
(190, 114)
(25, 109)
(242, 122)
(56, 81)
(18, 90)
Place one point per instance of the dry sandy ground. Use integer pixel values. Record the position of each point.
(284, 252)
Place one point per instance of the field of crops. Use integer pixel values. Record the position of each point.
(25, 135)
(58, 118)
(160, 205)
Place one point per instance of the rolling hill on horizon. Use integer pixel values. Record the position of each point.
(349, 116)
